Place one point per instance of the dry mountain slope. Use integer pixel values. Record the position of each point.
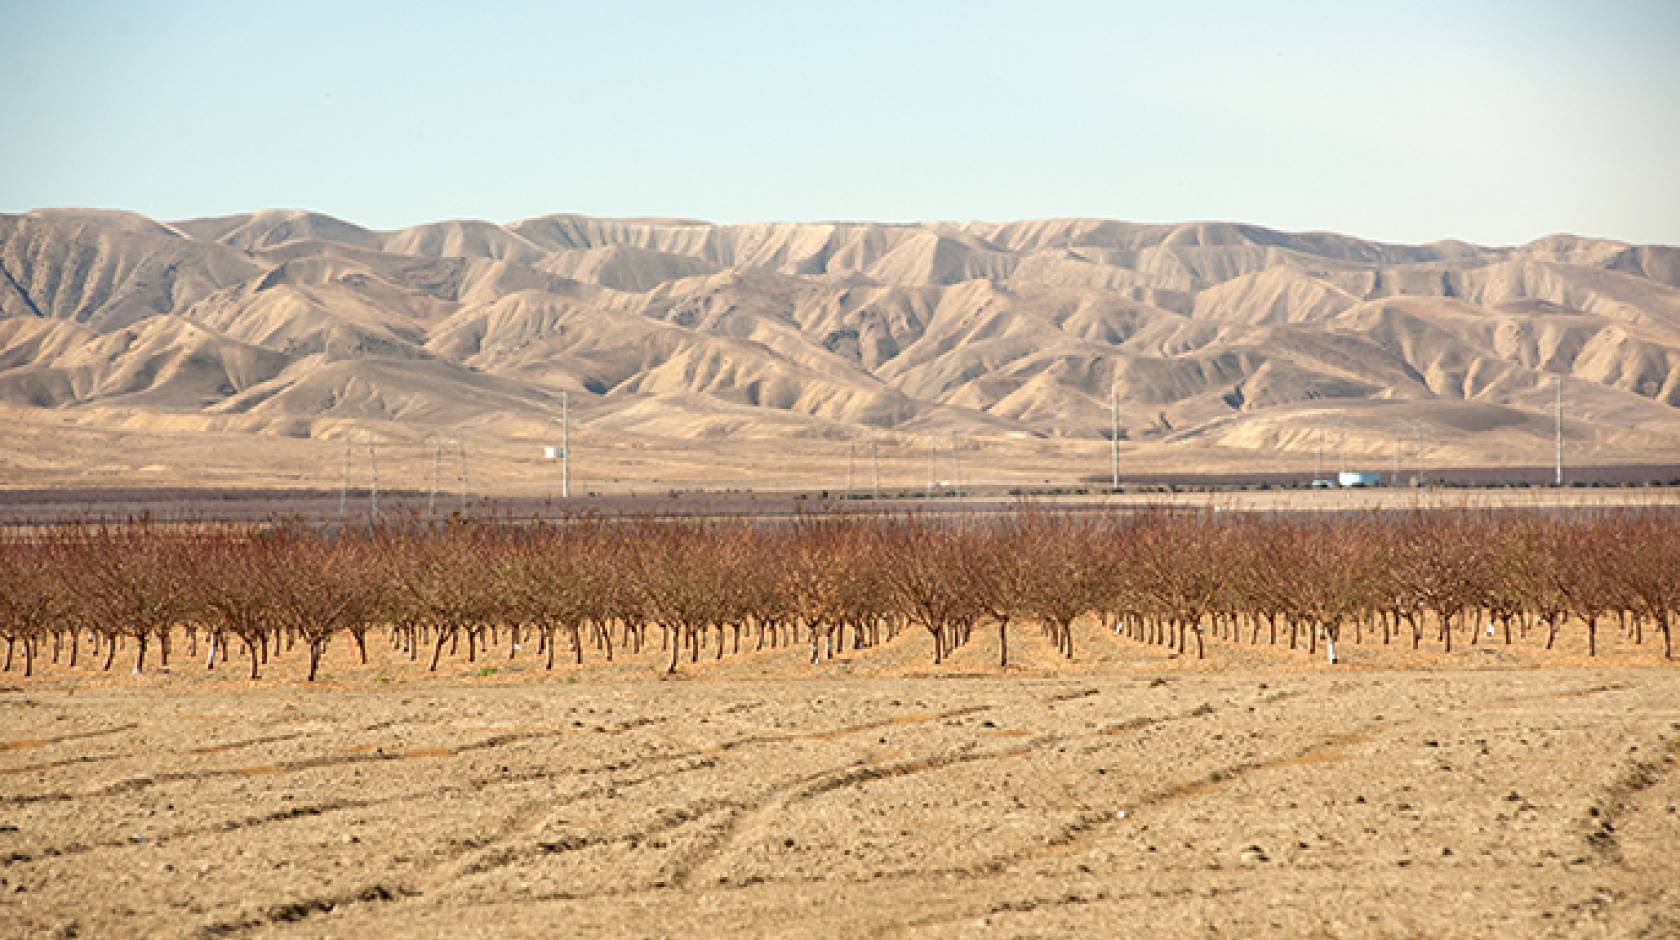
(297, 323)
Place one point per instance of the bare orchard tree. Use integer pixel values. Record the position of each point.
(320, 587)
(1648, 565)
(1051, 568)
(135, 579)
(922, 564)
(230, 593)
(33, 598)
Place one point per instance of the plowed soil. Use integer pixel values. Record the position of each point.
(1497, 791)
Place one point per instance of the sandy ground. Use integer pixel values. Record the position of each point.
(1497, 791)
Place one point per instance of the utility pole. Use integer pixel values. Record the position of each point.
(437, 462)
(344, 485)
(851, 466)
(373, 493)
(875, 462)
(1558, 431)
(565, 446)
(933, 450)
(1395, 480)
(1318, 465)
(1114, 438)
(461, 452)
(1418, 443)
(956, 466)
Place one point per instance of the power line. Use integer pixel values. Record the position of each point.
(344, 482)
(875, 461)
(956, 466)
(437, 466)
(1558, 431)
(1114, 437)
(373, 493)
(933, 451)
(461, 453)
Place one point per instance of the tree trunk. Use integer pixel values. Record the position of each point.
(437, 649)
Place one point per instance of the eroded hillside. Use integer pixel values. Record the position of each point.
(1230, 335)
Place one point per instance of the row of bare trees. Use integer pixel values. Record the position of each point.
(697, 588)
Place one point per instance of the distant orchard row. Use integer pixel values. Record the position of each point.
(1173, 578)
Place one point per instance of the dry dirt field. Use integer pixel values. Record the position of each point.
(1496, 792)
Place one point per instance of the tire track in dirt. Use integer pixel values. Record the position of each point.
(230, 825)
(291, 912)
(860, 728)
(1616, 801)
(781, 799)
(248, 742)
(1088, 826)
(359, 754)
(506, 855)
(527, 820)
(25, 743)
(66, 762)
(854, 775)
(1030, 903)
(491, 858)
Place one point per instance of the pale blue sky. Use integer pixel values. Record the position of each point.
(1495, 122)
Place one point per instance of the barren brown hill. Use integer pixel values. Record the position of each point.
(1217, 338)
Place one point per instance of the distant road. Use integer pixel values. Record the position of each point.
(27, 507)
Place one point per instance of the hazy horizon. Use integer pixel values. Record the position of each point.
(676, 218)
(1495, 124)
